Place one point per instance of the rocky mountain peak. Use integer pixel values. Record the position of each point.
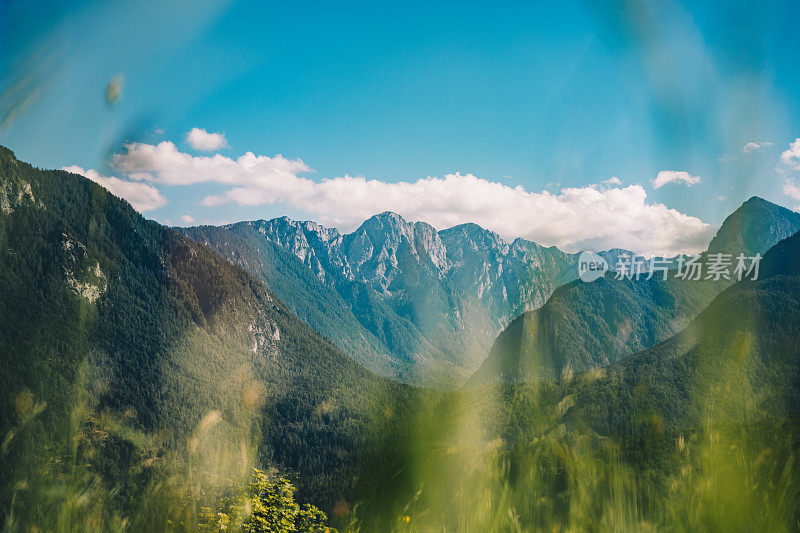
(387, 229)
(473, 237)
(754, 227)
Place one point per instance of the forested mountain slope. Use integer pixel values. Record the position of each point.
(755, 227)
(745, 344)
(131, 351)
(586, 325)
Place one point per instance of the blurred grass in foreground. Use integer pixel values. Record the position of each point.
(528, 458)
(505, 459)
(545, 456)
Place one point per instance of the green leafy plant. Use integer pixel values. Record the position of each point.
(264, 506)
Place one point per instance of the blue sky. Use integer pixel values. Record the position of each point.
(530, 96)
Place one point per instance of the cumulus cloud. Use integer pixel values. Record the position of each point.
(613, 181)
(187, 219)
(675, 176)
(753, 146)
(792, 190)
(593, 217)
(141, 196)
(200, 139)
(791, 157)
(164, 163)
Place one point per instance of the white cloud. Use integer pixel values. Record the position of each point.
(753, 146)
(164, 163)
(792, 190)
(591, 217)
(721, 198)
(187, 219)
(674, 176)
(200, 139)
(613, 181)
(141, 196)
(791, 157)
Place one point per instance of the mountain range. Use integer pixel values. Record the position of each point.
(423, 306)
(405, 300)
(739, 358)
(590, 325)
(144, 373)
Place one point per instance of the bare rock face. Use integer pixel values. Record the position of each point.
(14, 193)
